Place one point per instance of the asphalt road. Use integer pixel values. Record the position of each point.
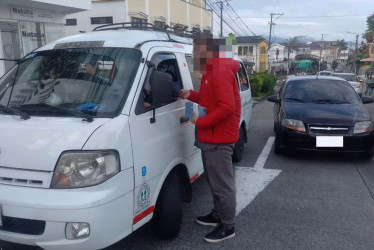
(297, 200)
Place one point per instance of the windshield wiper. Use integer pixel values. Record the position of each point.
(294, 99)
(328, 101)
(23, 115)
(87, 117)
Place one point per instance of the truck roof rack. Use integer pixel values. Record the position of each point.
(147, 26)
(150, 27)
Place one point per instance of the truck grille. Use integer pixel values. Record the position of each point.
(25, 178)
(23, 226)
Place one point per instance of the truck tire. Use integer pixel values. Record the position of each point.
(167, 216)
(237, 155)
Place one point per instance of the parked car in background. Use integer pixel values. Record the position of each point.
(353, 80)
(325, 73)
(321, 113)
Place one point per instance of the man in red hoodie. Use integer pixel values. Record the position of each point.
(217, 132)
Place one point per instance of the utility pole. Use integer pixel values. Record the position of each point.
(221, 8)
(320, 54)
(288, 57)
(356, 50)
(271, 26)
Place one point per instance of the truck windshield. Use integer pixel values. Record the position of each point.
(95, 81)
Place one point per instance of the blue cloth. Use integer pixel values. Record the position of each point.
(94, 107)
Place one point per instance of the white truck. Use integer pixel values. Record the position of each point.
(86, 158)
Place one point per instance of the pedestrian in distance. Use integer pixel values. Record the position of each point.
(218, 130)
(370, 85)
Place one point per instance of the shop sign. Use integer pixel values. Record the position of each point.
(31, 14)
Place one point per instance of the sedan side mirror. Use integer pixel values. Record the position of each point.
(274, 98)
(366, 99)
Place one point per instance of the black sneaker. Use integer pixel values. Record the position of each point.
(208, 220)
(220, 233)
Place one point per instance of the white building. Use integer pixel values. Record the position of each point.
(28, 24)
(185, 14)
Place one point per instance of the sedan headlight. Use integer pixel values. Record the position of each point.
(363, 127)
(293, 124)
(83, 169)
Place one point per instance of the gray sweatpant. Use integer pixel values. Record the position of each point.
(220, 175)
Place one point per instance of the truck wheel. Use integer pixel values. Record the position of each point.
(167, 216)
(237, 155)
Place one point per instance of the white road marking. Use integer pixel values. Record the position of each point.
(251, 181)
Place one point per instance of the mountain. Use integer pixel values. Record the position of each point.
(301, 39)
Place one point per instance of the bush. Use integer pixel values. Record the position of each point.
(269, 83)
(262, 84)
(256, 84)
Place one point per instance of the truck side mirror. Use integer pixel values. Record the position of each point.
(162, 90)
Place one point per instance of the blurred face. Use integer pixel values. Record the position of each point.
(200, 53)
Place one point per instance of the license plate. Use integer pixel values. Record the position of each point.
(329, 141)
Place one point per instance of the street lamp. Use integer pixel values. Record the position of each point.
(356, 49)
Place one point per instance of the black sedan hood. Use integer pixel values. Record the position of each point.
(331, 114)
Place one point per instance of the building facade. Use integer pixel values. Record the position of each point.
(183, 14)
(28, 24)
(252, 50)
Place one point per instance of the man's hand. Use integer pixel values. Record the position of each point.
(184, 93)
(193, 120)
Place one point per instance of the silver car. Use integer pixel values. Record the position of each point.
(353, 80)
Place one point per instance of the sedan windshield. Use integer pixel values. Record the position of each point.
(320, 92)
(94, 81)
(347, 77)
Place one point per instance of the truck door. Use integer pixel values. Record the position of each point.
(245, 94)
(162, 142)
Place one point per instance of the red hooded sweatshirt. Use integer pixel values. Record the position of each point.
(219, 94)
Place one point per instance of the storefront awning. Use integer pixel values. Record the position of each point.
(370, 59)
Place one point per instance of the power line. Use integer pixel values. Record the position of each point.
(210, 5)
(240, 19)
(286, 17)
(223, 20)
(234, 20)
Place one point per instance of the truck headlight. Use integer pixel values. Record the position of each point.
(293, 124)
(84, 168)
(363, 127)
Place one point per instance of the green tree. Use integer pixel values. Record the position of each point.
(342, 45)
(334, 64)
(368, 35)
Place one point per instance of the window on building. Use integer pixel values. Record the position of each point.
(250, 50)
(71, 22)
(102, 20)
(240, 51)
(245, 51)
(160, 25)
(138, 22)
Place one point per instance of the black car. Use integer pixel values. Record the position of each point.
(322, 113)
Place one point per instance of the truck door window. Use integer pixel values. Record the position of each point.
(243, 79)
(195, 75)
(163, 62)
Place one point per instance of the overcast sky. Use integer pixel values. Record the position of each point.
(333, 18)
